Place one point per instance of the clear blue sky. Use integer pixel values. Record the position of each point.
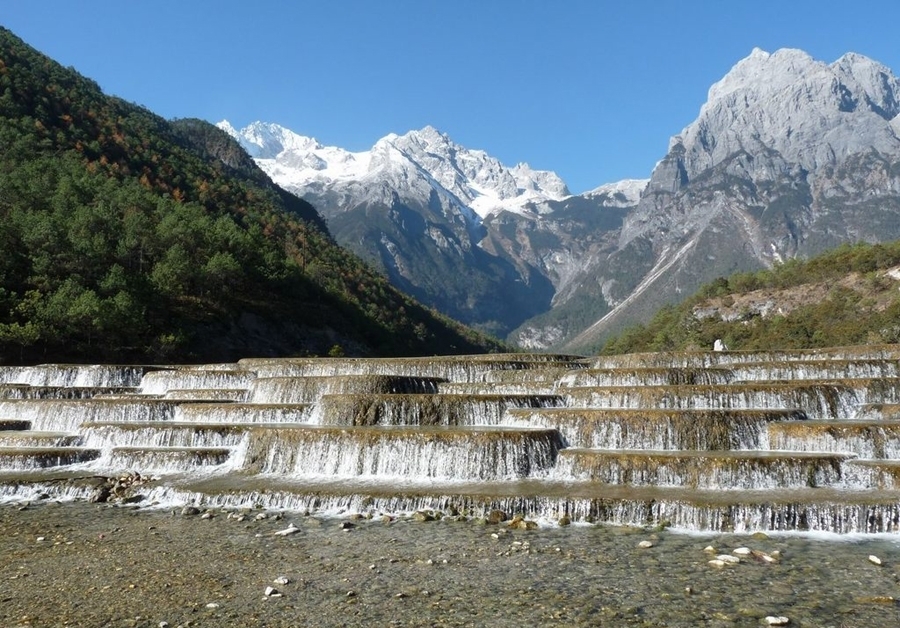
(592, 89)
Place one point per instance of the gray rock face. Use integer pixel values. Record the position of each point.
(788, 157)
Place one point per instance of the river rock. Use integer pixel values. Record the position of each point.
(291, 529)
(874, 559)
(190, 511)
(772, 620)
(421, 515)
(101, 494)
(497, 516)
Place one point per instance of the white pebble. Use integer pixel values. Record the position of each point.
(645, 544)
(728, 558)
(717, 563)
(212, 605)
(291, 529)
(741, 551)
(874, 559)
(270, 591)
(281, 580)
(771, 620)
(709, 548)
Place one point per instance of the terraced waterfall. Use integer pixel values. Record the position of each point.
(728, 441)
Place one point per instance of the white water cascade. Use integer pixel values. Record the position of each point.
(721, 441)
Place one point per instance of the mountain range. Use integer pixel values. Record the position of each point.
(789, 156)
(130, 238)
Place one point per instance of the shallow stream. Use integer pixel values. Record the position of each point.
(77, 564)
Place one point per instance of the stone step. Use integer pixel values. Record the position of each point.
(76, 374)
(32, 438)
(648, 376)
(497, 388)
(26, 391)
(433, 452)
(309, 389)
(438, 409)
(708, 359)
(452, 368)
(166, 459)
(24, 458)
(160, 382)
(820, 400)
(816, 370)
(879, 411)
(14, 425)
(105, 434)
(67, 415)
(719, 429)
(726, 470)
(805, 509)
(865, 438)
(872, 474)
(245, 412)
(208, 394)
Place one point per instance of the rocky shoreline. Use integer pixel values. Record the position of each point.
(82, 564)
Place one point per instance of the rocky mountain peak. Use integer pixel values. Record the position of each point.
(809, 112)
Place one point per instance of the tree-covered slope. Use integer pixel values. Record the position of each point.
(844, 297)
(127, 237)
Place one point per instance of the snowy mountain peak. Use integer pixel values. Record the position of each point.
(413, 163)
(266, 141)
(623, 193)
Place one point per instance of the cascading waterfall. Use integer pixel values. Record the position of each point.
(67, 416)
(719, 441)
(75, 375)
(309, 389)
(820, 400)
(160, 382)
(436, 453)
(614, 428)
(439, 409)
(245, 413)
(744, 470)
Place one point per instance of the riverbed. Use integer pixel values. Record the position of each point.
(80, 564)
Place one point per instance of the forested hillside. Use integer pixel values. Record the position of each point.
(845, 297)
(128, 237)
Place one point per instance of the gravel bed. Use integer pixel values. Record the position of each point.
(80, 564)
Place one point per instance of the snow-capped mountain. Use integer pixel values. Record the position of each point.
(426, 211)
(478, 181)
(789, 156)
(625, 193)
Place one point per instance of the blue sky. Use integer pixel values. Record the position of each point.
(592, 89)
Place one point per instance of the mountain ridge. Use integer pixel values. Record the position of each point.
(787, 157)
